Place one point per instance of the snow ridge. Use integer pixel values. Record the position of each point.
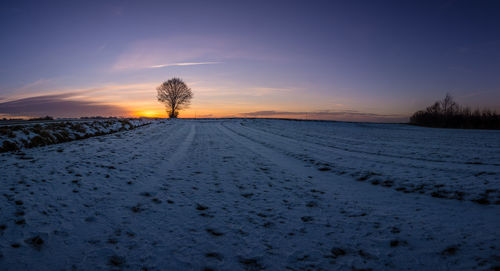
(15, 137)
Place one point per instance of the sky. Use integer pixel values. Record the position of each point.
(340, 60)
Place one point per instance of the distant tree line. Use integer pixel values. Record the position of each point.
(448, 114)
(43, 118)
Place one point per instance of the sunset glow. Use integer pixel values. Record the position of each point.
(329, 60)
(250, 135)
(149, 114)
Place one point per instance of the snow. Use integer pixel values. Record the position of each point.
(25, 134)
(255, 194)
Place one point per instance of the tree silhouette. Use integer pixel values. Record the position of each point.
(176, 95)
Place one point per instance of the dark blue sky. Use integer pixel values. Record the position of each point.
(383, 59)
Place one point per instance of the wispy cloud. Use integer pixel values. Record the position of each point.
(188, 50)
(40, 83)
(105, 101)
(261, 91)
(148, 53)
(184, 64)
(114, 90)
(344, 115)
(225, 89)
(60, 105)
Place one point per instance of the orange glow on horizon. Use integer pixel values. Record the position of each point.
(149, 114)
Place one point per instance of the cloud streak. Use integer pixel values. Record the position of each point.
(188, 50)
(344, 115)
(183, 64)
(59, 105)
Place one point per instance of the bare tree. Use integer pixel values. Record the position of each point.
(448, 105)
(175, 94)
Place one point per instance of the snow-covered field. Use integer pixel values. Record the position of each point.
(254, 195)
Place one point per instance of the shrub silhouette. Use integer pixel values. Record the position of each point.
(448, 114)
(8, 146)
